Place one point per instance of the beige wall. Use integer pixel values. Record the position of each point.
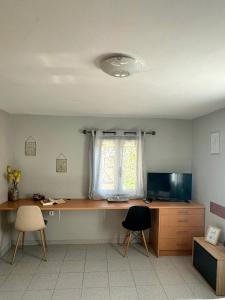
(169, 150)
(5, 159)
(209, 170)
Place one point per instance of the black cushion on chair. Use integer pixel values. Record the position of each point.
(138, 218)
(46, 221)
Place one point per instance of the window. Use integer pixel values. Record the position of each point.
(117, 166)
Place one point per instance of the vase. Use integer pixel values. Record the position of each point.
(13, 194)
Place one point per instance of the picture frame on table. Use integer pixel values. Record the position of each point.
(212, 234)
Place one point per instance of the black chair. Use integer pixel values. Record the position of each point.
(138, 219)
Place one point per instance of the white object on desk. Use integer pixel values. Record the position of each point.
(212, 234)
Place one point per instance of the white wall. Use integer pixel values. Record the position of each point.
(169, 150)
(5, 159)
(209, 170)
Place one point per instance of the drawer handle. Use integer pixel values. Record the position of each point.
(183, 220)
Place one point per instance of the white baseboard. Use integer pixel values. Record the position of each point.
(5, 249)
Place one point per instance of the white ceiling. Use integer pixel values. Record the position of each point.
(49, 49)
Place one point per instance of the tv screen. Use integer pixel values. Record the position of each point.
(169, 186)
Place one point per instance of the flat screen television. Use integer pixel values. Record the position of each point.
(169, 186)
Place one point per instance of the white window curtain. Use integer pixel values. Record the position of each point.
(116, 164)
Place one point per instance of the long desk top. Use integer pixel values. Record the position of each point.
(86, 204)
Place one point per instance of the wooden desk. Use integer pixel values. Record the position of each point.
(174, 224)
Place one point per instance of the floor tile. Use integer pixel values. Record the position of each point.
(114, 252)
(6, 268)
(56, 253)
(169, 275)
(64, 270)
(97, 246)
(134, 251)
(118, 264)
(67, 294)
(43, 282)
(140, 263)
(190, 275)
(75, 254)
(123, 293)
(77, 246)
(96, 265)
(11, 295)
(58, 248)
(26, 258)
(2, 279)
(121, 278)
(69, 281)
(26, 267)
(8, 256)
(95, 254)
(181, 261)
(145, 278)
(72, 266)
(16, 282)
(49, 267)
(202, 291)
(151, 292)
(178, 291)
(96, 279)
(33, 251)
(162, 261)
(95, 294)
(37, 295)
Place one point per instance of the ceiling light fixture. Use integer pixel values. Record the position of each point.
(120, 65)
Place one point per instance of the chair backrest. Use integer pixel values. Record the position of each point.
(29, 218)
(138, 218)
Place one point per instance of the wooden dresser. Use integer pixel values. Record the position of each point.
(173, 228)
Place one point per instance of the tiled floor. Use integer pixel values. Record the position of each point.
(99, 272)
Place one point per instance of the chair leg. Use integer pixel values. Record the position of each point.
(144, 240)
(45, 239)
(125, 238)
(127, 244)
(16, 247)
(43, 244)
(23, 237)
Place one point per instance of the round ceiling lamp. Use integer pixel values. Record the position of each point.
(120, 65)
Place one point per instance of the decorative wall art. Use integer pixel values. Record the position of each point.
(215, 143)
(30, 146)
(61, 163)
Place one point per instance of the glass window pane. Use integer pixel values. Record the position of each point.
(129, 166)
(108, 165)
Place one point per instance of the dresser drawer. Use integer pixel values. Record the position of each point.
(182, 211)
(183, 231)
(181, 221)
(181, 243)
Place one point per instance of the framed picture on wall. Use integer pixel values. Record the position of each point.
(215, 143)
(61, 164)
(30, 146)
(212, 234)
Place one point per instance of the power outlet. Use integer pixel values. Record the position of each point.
(51, 213)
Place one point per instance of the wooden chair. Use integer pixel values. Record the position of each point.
(29, 218)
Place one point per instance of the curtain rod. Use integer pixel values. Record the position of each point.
(152, 132)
